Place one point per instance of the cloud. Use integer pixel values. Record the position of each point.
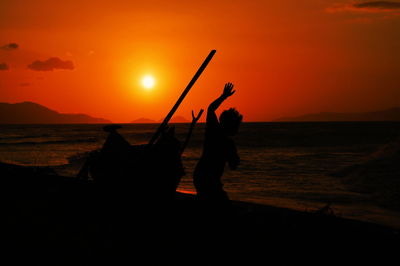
(369, 7)
(10, 46)
(384, 5)
(3, 66)
(51, 64)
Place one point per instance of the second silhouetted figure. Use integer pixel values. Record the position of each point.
(218, 149)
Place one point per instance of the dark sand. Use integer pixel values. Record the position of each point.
(66, 221)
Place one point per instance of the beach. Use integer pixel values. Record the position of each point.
(80, 223)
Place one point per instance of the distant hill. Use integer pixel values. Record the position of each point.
(33, 113)
(143, 120)
(175, 119)
(178, 119)
(392, 114)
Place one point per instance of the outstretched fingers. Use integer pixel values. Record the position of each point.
(228, 89)
(199, 115)
(228, 86)
(196, 118)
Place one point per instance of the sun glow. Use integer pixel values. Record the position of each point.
(148, 82)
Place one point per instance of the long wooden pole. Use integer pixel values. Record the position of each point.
(183, 95)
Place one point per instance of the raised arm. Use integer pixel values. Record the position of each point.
(228, 91)
(189, 134)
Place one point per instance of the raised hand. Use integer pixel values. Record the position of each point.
(228, 90)
(194, 121)
(196, 118)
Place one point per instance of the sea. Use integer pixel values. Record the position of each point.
(283, 164)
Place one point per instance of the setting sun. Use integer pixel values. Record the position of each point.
(148, 82)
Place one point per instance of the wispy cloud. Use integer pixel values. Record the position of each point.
(370, 7)
(381, 5)
(3, 66)
(51, 64)
(9, 47)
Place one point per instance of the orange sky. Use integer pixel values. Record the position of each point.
(285, 57)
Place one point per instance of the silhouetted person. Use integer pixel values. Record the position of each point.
(218, 149)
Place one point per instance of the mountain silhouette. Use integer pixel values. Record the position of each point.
(392, 114)
(33, 113)
(143, 120)
(177, 119)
